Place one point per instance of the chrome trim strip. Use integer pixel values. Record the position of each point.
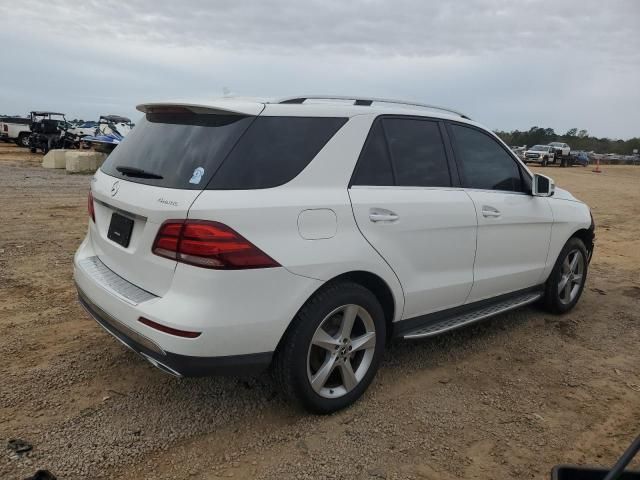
(114, 283)
(120, 211)
(160, 365)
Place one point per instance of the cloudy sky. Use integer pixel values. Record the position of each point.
(508, 64)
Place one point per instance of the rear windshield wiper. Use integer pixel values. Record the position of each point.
(138, 172)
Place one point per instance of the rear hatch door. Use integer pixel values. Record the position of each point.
(155, 175)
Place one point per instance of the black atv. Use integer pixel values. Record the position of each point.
(49, 131)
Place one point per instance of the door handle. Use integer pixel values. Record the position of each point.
(382, 215)
(488, 211)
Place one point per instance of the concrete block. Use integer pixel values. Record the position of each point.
(84, 162)
(55, 159)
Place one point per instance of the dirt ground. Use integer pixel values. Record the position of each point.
(505, 399)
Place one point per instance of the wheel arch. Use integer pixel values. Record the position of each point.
(374, 283)
(587, 237)
(559, 240)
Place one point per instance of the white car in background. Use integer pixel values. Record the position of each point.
(305, 233)
(542, 154)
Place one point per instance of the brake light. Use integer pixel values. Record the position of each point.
(209, 245)
(90, 208)
(5, 127)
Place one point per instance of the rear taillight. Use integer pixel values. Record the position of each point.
(5, 128)
(209, 245)
(91, 210)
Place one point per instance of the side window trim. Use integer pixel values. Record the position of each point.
(454, 171)
(463, 180)
(392, 162)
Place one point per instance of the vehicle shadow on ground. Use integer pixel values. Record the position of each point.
(400, 356)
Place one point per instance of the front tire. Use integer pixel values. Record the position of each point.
(332, 349)
(23, 140)
(566, 282)
(545, 161)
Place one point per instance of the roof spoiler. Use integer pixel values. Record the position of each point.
(218, 107)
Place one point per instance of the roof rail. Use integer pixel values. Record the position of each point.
(366, 102)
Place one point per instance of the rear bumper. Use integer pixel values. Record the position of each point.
(240, 315)
(173, 363)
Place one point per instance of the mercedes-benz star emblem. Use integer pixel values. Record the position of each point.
(115, 187)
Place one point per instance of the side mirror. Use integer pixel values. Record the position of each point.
(542, 186)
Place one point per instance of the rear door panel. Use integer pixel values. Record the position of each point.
(431, 246)
(406, 207)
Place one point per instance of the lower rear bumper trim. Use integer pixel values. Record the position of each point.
(173, 363)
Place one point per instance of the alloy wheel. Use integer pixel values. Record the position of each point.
(571, 276)
(341, 351)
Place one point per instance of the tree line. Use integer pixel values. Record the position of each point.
(577, 140)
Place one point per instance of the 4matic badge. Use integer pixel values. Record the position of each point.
(168, 202)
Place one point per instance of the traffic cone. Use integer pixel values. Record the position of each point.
(597, 169)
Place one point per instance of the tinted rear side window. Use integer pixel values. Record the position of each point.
(417, 153)
(403, 152)
(174, 146)
(273, 151)
(485, 164)
(374, 167)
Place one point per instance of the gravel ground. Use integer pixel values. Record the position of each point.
(505, 399)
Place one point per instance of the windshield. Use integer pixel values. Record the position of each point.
(539, 148)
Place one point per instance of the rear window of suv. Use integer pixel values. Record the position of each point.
(221, 152)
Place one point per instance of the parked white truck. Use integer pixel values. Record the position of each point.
(15, 129)
(542, 154)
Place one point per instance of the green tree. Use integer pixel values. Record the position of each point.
(577, 139)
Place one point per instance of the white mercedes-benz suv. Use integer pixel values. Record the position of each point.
(304, 233)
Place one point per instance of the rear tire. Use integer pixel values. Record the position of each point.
(568, 277)
(332, 350)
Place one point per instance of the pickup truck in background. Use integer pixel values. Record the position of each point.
(15, 129)
(542, 154)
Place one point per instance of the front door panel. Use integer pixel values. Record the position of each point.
(513, 240)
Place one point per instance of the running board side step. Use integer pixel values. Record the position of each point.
(454, 321)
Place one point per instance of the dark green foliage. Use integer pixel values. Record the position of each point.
(577, 139)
